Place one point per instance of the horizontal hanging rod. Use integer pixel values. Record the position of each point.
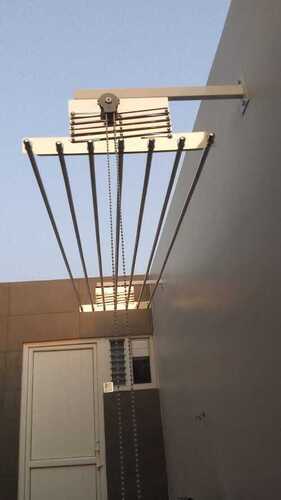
(183, 212)
(81, 120)
(173, 93)
(119, 123)
(73, 217)
(41, 186)
(80, 114)
(134, 129)
(46, 146)
(96, 212)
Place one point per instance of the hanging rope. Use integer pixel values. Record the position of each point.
(119, 197)
(131, 374)
(115, 326)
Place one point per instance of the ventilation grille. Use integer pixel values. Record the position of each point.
(118, 361)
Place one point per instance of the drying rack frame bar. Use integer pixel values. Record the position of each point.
(46, 146)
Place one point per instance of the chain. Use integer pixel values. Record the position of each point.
(131, 375)
(115, 325)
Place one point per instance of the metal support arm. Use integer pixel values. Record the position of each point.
(236, 91)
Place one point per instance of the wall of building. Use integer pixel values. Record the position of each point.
(44, 311)
(153, 478)
(217, 315)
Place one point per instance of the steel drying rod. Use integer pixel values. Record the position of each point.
(28, 147)
(163, 212)
(183, 212)
(96, 213)
(59, 148)
(151, 144)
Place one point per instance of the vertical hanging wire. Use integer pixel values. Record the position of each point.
(131, 374)
(181, 144)
(96, 213)
(183, 212)
(151, 144)
(38, 177)
(59, 148)
(118, 205)
(115, 325)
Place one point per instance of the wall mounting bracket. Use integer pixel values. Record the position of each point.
(208, 92)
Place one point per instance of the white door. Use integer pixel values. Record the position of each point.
(61, 441)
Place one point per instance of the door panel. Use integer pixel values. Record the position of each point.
(67, 483)
(61, 457)
(63, 404)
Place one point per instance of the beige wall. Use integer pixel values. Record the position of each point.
(39, 311)
(45, 310)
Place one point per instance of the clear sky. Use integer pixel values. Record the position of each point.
(48, 50)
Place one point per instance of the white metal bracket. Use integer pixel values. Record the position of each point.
(47, 146)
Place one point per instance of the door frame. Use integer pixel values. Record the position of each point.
(25, 414)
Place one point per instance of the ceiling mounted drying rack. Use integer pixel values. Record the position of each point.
(121, 122)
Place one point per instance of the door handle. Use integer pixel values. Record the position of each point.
(99, 464)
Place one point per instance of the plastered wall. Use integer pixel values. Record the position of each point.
(217, 318)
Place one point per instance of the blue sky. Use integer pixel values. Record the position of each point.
(48, 50)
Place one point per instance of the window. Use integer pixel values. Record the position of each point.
(141, 361)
